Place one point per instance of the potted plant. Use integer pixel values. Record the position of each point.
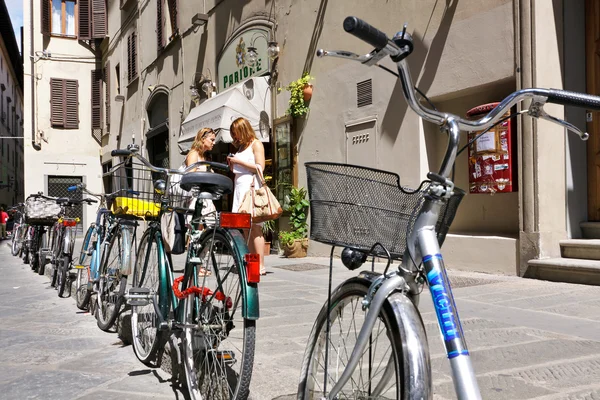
(300, 95)
(295, 241)
(268, 229)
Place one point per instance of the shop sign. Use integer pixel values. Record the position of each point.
(233, 66)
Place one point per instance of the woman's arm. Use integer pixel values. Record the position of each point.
(259, 157)
(191, 158)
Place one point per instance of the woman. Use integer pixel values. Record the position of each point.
(204, 141)
(251, 154)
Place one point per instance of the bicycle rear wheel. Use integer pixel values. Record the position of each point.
(82, 294)
(63, 268)
(15, 245)
(112, 284)
(379, 372)
(218, 343)
(144, 321)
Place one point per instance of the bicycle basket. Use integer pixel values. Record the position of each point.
(136, 193)
(40, 211)
(357, 207)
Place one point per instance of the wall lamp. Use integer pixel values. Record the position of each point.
(252, 54)
(200, 19)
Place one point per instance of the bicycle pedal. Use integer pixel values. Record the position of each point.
(138, 297)
(195, 260)
(226, 356)
(79, 266)
(163, 326)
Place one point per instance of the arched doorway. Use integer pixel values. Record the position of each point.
(157, 137)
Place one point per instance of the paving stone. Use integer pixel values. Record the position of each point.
(498, 387)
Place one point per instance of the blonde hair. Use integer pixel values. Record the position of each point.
(244, 132)
(202, 133)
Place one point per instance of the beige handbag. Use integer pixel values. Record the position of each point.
(261, 204)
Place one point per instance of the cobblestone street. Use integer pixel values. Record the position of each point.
(529, 339)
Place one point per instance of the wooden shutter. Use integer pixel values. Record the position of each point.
(131, 57)
(160, 42)
(71, 104)
(173, 14)
(85, 31)
(57, 105)
(98, 19)
(46, 16)
(107, 95)
(97, 99)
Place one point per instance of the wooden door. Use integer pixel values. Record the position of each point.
(593, 87)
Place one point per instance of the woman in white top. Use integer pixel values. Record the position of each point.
(243, 164)
(204, 141)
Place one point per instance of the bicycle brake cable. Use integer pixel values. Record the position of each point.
(416, 88)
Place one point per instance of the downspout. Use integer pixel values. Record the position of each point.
(36, 146)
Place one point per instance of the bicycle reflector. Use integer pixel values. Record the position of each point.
(236, 220)
(252, 267)
(67, 222)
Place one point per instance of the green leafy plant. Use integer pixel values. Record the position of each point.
(297, 205)
(297, 107)
(268, 228)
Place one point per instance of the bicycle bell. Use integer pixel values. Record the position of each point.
(160, 186)
(353, 259)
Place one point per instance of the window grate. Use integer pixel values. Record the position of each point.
(364, 93)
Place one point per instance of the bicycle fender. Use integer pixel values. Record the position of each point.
(250, 305)
(163, 286)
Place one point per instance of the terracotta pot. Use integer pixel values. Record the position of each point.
(267, 248)
(297, 249)
(307, 92)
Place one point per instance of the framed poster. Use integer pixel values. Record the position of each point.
(283, 155)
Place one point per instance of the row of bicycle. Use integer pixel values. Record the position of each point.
(209, 312)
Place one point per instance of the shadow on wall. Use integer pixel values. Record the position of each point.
(422, 59)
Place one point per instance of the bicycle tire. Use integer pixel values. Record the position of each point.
(312, 374)
(202, 366)
(82, 294)
(63, 269)
(41, 258)
(112, 284)
(14, 246)
(146, 336)
(35, 248)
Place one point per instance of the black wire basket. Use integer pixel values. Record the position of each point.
(140, 194)
(357, 207)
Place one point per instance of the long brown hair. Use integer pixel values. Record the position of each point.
(243, 131)
(202, 133)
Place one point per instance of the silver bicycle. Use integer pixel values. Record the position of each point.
(368, 340)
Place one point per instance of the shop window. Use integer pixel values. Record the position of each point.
(284, 163)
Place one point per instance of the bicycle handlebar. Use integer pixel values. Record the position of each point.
(366, 32)
(167, 171)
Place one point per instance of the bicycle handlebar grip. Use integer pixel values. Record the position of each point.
(120, 152)
(575, 99)
(72, 188)
(219, 165)
(90, 201)
(365, 32)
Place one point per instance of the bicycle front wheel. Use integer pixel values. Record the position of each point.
(82, 294)
(15, 245)
(378, 373)
(112, 284)
(144, 321)
(218, 343)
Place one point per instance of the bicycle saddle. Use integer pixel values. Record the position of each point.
(63, 200)
(207, 182)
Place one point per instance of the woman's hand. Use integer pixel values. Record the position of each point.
(231, 160)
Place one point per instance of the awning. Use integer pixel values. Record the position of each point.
(250, 99)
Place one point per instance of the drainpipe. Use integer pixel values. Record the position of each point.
(36, 146)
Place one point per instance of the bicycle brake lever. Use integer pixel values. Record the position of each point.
(368, 59)
(537, 110)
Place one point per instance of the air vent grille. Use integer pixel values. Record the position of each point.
(364, 93)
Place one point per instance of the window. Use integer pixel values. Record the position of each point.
(97, 76)
(82, 19)
(63, 17)
(107, 96)
(64, 103)
(131, 57)
(166, 10)
(118, 75)
(8, 101)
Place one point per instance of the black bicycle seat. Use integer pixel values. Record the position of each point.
(207, 182)
(63, 200)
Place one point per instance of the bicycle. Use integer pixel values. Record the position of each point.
(40, 211)
(62, 245)
(219, 288)
(368, 341)
(90, 255)
(19, 229)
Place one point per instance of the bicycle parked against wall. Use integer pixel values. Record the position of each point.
(62, 243)
(368, 340)
(40, 212)
(19, 229)
(213, 306)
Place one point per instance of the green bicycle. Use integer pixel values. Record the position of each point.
(213, 314)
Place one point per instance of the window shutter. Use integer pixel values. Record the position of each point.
(57, 105)
(71, 100)
(129, 58)
(98, 19)
(46, 18)
(107, 95)
(173, 15)
(84, 20)
(132, 57)
(97, 99)
(159, 25)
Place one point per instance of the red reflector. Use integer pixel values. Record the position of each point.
(69, 223)
(252, 267)
(236, 220)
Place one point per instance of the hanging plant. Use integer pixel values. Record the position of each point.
(297, 106)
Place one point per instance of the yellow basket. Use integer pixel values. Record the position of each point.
(137, 207)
